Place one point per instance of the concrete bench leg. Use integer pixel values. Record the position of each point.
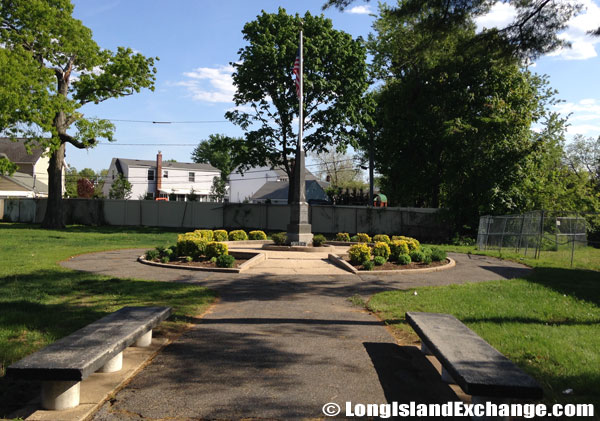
(424, 349)
(58, 395)
(145, 340)
(446, 377)
(112, 365)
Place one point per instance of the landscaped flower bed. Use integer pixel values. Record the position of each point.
(396, 253)
(203, 248)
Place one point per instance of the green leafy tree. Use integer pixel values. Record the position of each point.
(120, 189)
(222, 152)
(62, 46)
(335, 78)
(453, 115)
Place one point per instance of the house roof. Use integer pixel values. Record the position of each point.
(26, 181)
(120, 162)
(17, 153)
(278, 190)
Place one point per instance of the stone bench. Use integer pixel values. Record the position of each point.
(98, 347)
(469, 361)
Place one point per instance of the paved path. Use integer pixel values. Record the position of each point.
(281, 346)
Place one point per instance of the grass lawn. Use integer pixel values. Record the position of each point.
(549, 324)
(42, 302)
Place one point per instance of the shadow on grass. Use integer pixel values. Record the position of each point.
(41, 307)
(105, 229)
(583, 284)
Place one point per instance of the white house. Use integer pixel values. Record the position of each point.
(158, 179)
(31, 178)
(262, 184)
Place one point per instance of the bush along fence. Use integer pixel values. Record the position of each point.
(537, 232)
(425, 224)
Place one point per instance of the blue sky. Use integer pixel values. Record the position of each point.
(196, 41)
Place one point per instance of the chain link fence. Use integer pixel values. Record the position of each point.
(533, 233)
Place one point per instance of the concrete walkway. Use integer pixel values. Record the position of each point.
(281, 346)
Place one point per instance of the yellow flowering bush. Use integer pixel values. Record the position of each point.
(363, 238)
(381, 249)
(359, 253)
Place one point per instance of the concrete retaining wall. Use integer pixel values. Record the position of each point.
(415, 222)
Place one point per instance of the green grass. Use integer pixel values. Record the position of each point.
(583, 258)
(41, 301)
(548, 324)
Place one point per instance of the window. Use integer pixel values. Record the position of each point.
(165, 174)
(192, 177)
(150, 175)
(150, 196)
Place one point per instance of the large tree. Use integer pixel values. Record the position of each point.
(335, 78)
(222, 152)
(533, 32)
(454, 113)
(83, 73)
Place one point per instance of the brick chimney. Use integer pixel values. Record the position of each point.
(158, 173)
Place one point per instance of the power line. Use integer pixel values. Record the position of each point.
(164, 122)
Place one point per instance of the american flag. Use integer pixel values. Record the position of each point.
(296, 72)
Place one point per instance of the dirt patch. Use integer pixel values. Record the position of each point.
(394, 266)
(202, 263)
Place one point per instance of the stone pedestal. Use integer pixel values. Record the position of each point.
(299, 230)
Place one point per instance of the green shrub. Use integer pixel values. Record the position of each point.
(205, 234)
(152, 254)
(213, 260)
(342, 236)
(169, 253)
(379, 260)
(220, 235)
(398, 248)
(189, 259)
(225, 261)
(238, 235)
(368, 265)
(403, 259)
(165, 259)
(413, 244)
(279, 238)
(319, 240)
(359, 253)
(363, 238)
(216, 249)
(438, 255)
(381, 249)
(417, 256)
(194, 248)
(381, 237)
(257, 235)
(354, 239)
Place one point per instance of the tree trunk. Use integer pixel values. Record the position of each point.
(54, 217)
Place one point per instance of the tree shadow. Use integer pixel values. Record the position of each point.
(582, 284)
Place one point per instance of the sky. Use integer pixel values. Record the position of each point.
(196, 41)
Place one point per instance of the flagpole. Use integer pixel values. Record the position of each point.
(301, 111)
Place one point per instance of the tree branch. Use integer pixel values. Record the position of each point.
(79, 145)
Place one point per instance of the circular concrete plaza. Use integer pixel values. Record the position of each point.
(283, 340)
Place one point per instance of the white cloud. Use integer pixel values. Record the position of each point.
(499, 16)
(210, 84)
(585, 116)
(360, 10)
(582, 44)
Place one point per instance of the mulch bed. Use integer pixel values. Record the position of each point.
(205, 263)
(393, 266)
